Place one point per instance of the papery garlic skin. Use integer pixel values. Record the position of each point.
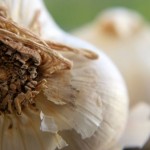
(128, 46)
(105, 92)
(22, 132)
(100, 109)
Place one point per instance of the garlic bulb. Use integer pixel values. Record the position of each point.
(124, 36)
(84, 106)
(114, 22)
(120, 22)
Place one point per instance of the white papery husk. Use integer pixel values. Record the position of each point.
(125, 37)
(87, 106)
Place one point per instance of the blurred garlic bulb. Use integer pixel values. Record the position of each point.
(125, 37)
(84, 106)
(115, 22)
(120, 22)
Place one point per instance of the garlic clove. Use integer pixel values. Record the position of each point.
(138, 127)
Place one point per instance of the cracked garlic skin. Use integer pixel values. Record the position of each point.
(127, 42)
(82, 108)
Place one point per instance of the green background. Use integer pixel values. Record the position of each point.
(70, 14)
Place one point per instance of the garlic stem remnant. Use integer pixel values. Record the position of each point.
(24, 66)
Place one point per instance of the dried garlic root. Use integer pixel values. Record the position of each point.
(26, 63)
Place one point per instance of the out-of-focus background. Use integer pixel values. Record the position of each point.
(70, 14)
